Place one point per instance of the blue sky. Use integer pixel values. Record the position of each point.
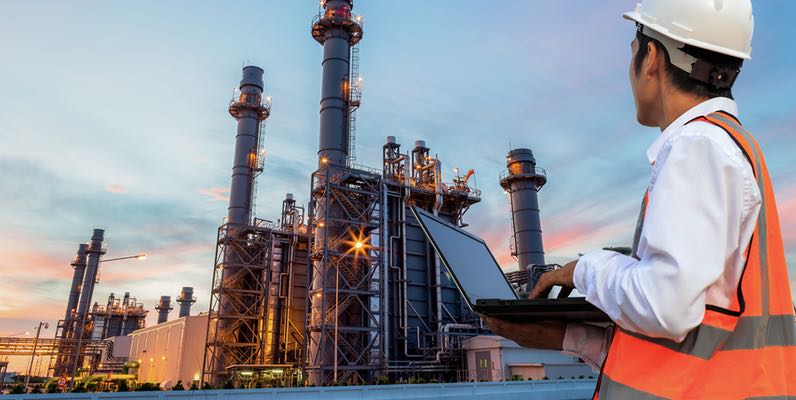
(114, 115)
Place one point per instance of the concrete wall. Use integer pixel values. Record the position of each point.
(171, 351)
(528, 390)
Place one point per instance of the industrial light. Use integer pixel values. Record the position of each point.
(151, 359)
(358, 245)
(247, 373)
(324, 160)
(163, 358)
(142, 257)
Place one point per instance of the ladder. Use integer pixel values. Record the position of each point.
(354, 97)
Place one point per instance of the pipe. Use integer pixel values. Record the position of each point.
(437, 267)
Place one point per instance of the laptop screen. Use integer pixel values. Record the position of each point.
(468, 259)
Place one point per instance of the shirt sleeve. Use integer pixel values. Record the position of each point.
(683, 248)
(589, 342)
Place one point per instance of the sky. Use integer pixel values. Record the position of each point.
(114, 115)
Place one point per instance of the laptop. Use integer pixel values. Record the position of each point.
(483, 285)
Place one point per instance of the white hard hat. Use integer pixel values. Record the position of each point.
(721, 26)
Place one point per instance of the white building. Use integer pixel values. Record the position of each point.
(495, 358)
(170, 352)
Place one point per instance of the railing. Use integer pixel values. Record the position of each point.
(536, 172)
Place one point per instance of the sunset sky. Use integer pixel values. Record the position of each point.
(114, 115)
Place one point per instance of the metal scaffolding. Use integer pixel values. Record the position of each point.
(345, 324)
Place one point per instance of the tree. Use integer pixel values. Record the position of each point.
(178, 386)
(18, 389)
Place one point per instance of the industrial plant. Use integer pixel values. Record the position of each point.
(344, 290)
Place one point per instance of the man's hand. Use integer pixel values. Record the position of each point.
(562, 277)
(547, 335)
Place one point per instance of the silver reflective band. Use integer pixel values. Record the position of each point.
(762, 221)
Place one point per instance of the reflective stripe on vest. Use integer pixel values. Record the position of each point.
(746, 351)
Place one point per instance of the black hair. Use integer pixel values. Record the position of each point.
(681, 79)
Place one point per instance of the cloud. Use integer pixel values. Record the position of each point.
(115, 188)
(216, 193)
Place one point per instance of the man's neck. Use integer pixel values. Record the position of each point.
(675, 104)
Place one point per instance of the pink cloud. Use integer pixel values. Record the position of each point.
(216, 193)
(115, 188)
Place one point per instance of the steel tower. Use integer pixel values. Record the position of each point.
(522, 180)
(345, 330)
(235, 334)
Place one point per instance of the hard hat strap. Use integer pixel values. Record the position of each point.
(720, 77)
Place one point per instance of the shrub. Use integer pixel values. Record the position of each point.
(79, 387)
(206, 386)
(53, 388)
(546, 378)
(193, 386)
(18, 389)
(178, 386)
(123, 386)
(383, 380)
(148, 387)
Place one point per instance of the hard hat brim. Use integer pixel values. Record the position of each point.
(637, 17)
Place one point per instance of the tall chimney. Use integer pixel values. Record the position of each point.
(250, 109)
(185, 300)
(163, 308)
(79, 264)
(522, 181)
(94, 252)
(337, 30)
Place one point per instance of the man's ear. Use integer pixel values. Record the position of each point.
(656, 59)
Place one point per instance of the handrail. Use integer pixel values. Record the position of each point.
(537, 171)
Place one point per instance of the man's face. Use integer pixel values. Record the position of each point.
(643, 84)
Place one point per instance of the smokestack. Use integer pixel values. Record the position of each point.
(79, 264)
(337, 32)
(94, 252)
(522, 181)
(250, 109)
(163, 308)
(185, 300)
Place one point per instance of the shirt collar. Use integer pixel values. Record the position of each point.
(704, 108)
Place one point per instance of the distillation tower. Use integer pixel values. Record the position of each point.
(256, 264)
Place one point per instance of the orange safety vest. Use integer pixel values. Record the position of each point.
(745, 352)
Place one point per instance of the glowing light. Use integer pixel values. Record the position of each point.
(320, 224)
(324, 160)
(359, 245)
(268, 98)
(247, 373)
(151, 360)
(163, 358)
(142, 257)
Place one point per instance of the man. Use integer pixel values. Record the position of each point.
(703, 307)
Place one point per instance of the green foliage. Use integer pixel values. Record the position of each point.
(546, 378)
(206, 386)
(178, 386)
(193, 386)
(123, 386)
(36, 389)
(18, 389)
(383, 380)
(79, 387)
(91, 386)
(581, 377)
(228, 385)
(148, 387)
(53, 387)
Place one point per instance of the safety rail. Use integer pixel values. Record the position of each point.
(536, 172)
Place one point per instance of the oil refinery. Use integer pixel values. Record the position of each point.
(345, 290)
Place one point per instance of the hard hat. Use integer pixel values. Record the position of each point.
(721, 26)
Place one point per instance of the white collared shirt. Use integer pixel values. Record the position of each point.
(702, 211)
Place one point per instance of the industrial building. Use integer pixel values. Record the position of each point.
(345, 291)
(354, 292)
(169, 352)
(494, 358)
